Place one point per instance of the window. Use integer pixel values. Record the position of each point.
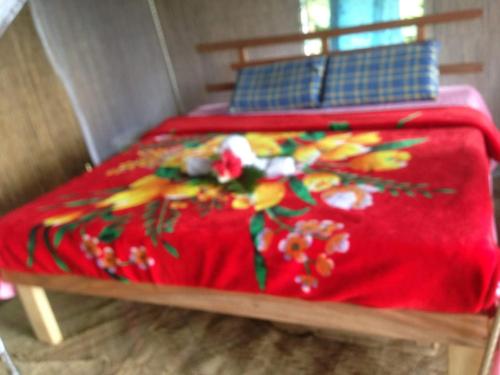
(323, 14)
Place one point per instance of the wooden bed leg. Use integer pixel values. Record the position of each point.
(463, 360)
(491, 346)
(40, 314)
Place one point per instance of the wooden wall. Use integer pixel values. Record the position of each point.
(189, 22)
(41, 145)
(472, 41)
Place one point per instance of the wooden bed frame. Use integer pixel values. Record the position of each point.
(241, 47)
(471, 338)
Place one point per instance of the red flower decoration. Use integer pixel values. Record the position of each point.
(228, 167)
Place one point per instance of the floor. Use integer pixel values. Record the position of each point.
(116, 337)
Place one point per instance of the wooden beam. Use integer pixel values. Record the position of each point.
(242, 55)
(324, 46)
(463, 360)
(432, 19)
(462, 329)
(420, 33)
(217, 87)
(463, 68)
(40, 314)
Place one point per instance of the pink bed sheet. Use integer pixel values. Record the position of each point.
(456, 95)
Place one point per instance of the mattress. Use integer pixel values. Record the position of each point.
(388, 209)
(457, 96)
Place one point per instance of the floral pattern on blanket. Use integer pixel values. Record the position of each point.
(334, 169)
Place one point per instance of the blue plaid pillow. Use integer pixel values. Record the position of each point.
(281, 85)
(386, 74)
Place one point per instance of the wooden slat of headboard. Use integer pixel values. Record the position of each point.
(420, 22)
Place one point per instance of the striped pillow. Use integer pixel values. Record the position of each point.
(381, 75)
(281, 85)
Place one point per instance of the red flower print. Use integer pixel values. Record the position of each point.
(321, 229)
(108, 260)
(306, 282)
(228, 167)
(324, 265)
(264, 240)
(90, 246)
(294, 247)
(139, 257)
(338, 243)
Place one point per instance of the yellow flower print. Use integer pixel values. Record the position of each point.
(345, 151)
(332, 141)
(268, 194)
(146, 158)
(140, 192)
(129, 198)
(206, 149)
(263, 145)
(180, 191)
(306, 154)
(148, 181)
(173, 161)
(57, 220)
(207, 193)
(178, 205)
(369, 138)
(320, 181)
(281, 136)
(381, 161)
(241, 202)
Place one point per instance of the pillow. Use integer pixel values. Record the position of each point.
(381, 75)
(280, 85)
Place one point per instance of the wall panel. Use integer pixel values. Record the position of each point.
(108, 55)
(472, 41)
(41, 145)
(189, 22)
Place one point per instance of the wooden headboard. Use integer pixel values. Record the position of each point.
(241, 46)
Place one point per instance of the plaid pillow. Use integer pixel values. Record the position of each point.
(281, 85)
(386, 74)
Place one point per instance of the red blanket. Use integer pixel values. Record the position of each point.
(389, 209)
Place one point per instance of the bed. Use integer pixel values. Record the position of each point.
(384, 227)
